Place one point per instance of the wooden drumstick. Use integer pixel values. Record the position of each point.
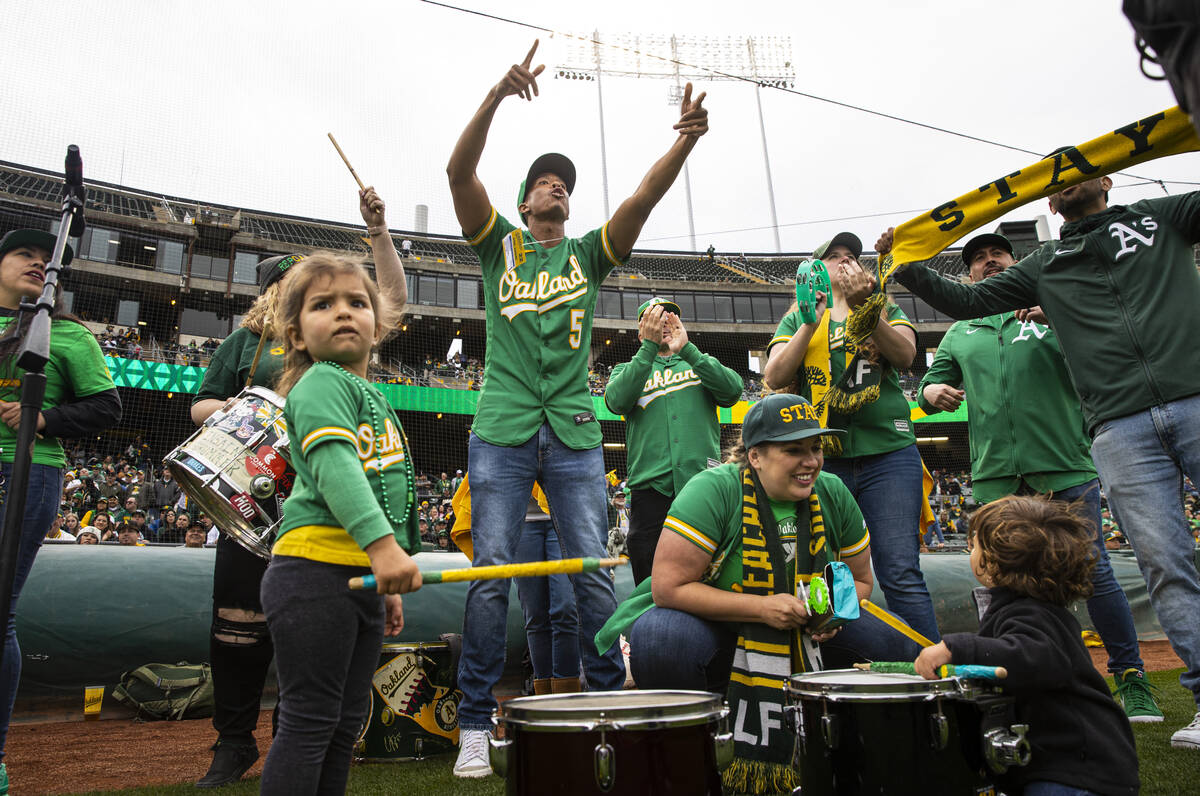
(567, 566)
(345, 160)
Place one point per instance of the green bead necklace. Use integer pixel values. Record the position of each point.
(409, 477)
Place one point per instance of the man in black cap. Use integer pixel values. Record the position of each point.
(535, 418)
(1120, 289)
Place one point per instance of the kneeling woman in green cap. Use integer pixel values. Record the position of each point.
(720, 611)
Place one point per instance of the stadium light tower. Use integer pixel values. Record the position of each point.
(762, 60)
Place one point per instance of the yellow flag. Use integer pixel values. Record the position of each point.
(1167, 133)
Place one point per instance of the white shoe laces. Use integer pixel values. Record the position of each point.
(475, 745)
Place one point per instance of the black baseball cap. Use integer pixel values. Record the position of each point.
(272, 269)
(847, 239)
(782, 417)
(982, 241)
(33, 237)
(549, 163)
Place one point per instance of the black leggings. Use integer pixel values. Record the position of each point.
(239, 670)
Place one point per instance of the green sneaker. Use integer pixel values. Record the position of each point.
(1136, 696)
(3, 779)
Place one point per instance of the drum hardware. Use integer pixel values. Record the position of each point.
(1004, 748)
(262, 486)
(604, 761)
(939, 728)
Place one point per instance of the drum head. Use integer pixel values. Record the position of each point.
(616, 709)
(855, 684)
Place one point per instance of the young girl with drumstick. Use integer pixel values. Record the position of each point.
(1036, 557)
(352, 511)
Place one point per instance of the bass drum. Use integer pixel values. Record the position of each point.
(237, 468)
(414, 705)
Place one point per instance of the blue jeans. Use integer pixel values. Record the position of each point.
(551, 624)
(501, 480)
(888, 490)
(41, 506)
(935, 529)
(674, 649)
(1142, 459)
(1108, 606)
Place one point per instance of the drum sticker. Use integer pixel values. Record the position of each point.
(244, 505)
(194, 465)
(265, 461)
(244, 431)
(407, 691)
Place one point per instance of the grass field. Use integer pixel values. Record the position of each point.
(1165, 771)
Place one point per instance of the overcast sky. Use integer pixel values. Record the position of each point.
(230, 102)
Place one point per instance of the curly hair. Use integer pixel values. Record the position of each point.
(260, 318)
(1036, 547)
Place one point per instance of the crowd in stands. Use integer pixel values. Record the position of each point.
(127, 499)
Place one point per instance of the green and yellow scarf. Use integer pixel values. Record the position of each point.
(1169, 132)
(851, 393)
(766, 657)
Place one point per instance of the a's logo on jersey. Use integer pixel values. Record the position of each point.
(382, 451)
(1030, 328)
(665, 382)
(545, 293)
(1129, 238)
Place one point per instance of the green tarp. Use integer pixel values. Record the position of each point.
(89, 613)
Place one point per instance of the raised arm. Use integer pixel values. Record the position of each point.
(626, 224)
(389, 271)
(471, 203)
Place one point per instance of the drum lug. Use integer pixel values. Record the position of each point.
(262, 486)
(829, 730)
(499, 752)
(723, 749)
(1006, 747)
(605, 764)
(939, 729)
(418, 748)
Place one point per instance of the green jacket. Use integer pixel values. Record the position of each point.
(1121, 291)
(670, 408)
(1023, 416)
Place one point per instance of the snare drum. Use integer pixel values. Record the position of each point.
(633, 743)
(414, 705)
(236, 467)
(862, 732)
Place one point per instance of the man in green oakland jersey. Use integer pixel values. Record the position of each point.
(1028, 436)
(534, 420)
(668, 393)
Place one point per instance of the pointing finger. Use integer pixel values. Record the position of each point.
(529, 56)
(687, 97)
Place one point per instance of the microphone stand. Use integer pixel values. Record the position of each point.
(34, 355)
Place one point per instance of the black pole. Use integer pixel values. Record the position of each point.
(34, 355)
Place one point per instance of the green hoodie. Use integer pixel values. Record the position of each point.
(1023, 416)
(1121, 291)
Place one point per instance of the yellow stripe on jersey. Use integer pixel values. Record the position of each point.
(691, 534)
(902, 322)
(857, 548)
(608, 250)
(328, 431)
(782, 338)
(483, 233)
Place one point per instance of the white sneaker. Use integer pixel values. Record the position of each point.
(473, 754)
(1189, 736)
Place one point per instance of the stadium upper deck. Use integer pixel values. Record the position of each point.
(181, 269)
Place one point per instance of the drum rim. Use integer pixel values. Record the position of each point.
(413, 646)
(901, 689)
(532, 713)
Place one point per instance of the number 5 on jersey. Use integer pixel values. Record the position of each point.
(576, 327)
